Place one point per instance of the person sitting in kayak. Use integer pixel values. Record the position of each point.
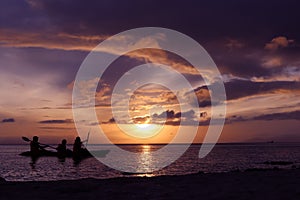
(62, 150)
(77, 149)
(35, 149)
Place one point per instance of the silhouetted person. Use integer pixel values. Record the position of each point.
(62, 150)
(77, 150)
(35, 150)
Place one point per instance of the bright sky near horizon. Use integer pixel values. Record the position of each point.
(257, 51)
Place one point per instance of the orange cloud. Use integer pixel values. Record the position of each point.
(64, 41)
(162, 57)
(272, 62)
(278, 42)
(12, 38)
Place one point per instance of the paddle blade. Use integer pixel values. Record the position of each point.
(26, 139)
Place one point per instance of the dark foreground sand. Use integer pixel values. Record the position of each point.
(272, 184)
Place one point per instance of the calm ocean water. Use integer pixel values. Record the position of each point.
(223, 158)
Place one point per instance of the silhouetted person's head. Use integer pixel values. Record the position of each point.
(64, 142)
(35, 138)
(77, 139)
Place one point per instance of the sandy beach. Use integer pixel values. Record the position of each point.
(251, 184)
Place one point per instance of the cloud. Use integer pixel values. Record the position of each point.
(67, 33)
(286, 74)
(235, 118)
(56, 121)
(236, 89)
(74, 16)
(110, 121)
(152, 94)
(103, 95)
(203, 96)
(176, 118)
(56, 128)
(63, 41)
(272, 62)
(244, 63)
(141, 120)
(234, 44)
(8, 120)
(279, 116)
(169, 114)
(165, 58)
(292, 115)
(168, 117)
(278, 42)
(240, 88)
(81, 42)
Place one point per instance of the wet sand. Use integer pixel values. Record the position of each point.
(252, 184)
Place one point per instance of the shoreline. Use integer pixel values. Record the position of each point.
(250, 184)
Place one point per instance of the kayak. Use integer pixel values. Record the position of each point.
(84, 153)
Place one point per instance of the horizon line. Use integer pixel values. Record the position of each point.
(219, 143)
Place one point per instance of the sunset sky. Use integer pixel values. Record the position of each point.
(255, 45)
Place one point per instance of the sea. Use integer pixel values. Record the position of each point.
(223, 158)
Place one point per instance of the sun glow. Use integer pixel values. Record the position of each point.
(146, 148)
(143, 126)
(145, 130)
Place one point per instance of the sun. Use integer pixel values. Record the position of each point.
(145, 130)
(143, 126)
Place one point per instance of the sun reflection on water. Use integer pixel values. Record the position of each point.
(146, 148)
(145, 160)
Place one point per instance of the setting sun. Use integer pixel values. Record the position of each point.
(144, 126)
(147, 130)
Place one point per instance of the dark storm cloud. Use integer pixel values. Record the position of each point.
(56, 121)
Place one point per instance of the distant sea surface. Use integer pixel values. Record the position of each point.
(223, 158)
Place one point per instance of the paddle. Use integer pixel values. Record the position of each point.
(88, 137)
(28, 140)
